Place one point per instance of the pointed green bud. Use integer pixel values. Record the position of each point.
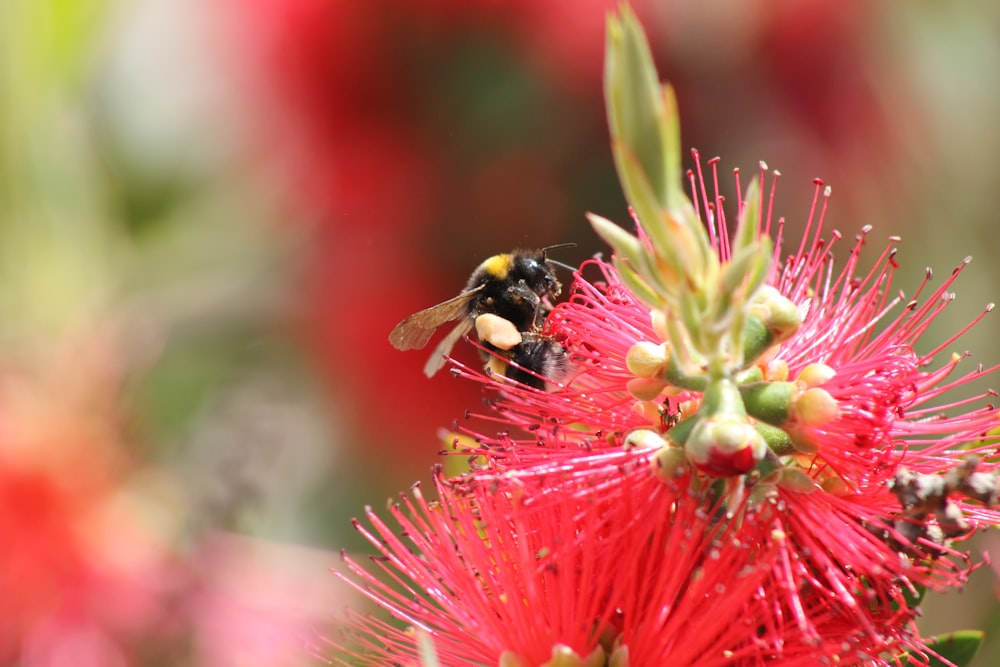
(781, 315)
(815, 375)
(815, 407)
(778, 441)
(769, 401)
(771, 318)
(510, 659)
(644, 439)
(669, 463)
(564, 656)
(645, 389)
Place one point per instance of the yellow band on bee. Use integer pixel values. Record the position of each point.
(497, 365)
(498, 266)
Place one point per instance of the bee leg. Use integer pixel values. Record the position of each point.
(527, 304)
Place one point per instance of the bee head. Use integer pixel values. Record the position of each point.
(539, 273)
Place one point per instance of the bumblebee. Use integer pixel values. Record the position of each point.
(517, 287)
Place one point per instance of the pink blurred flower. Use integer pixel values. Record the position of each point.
(256, 602)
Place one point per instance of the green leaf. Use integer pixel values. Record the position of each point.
(750, 261)
(958, 648)
(632, 261)
(670, 127)
(682, 363)
(748, 237)
(739, 271)
(914, 598)
(746, 231)
(635, 282)
(622, 243)
(757, 277)
(693, 321)
(645, 143)
(641, 196)
(634, 100)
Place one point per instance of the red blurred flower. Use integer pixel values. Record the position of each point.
(80, 569)
(379, 123)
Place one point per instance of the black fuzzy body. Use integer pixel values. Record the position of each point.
(537, 361)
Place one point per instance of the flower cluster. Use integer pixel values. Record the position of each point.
(750, 461)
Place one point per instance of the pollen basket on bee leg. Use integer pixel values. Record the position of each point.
(497, 331)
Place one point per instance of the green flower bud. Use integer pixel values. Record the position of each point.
(646, 359)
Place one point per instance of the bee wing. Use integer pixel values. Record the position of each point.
(436, 361)
(414, 332)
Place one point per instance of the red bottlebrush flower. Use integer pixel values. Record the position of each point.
(505, 571)
(849, 554)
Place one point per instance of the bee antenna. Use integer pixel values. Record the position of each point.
(561, 265)
(546, 249)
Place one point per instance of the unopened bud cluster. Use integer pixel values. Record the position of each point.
(728, 422)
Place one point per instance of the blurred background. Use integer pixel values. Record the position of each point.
(212, 214)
